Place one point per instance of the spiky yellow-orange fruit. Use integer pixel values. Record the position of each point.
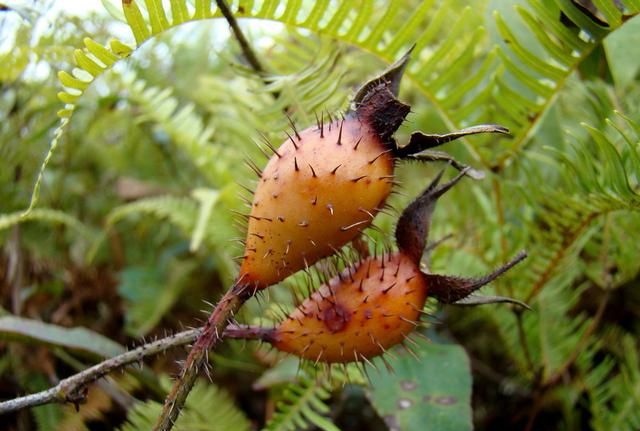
(318, 192)
(361, 313)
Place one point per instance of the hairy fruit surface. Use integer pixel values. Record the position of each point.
(318, 191)
(367, 309)
(325, 184)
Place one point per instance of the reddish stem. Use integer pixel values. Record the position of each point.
(197, 359)
(250, 332)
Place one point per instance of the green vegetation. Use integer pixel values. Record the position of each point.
(120, 169)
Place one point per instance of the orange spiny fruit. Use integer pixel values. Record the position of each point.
(318, 191)
(367, 309)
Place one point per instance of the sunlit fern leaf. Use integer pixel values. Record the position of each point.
(208, 408)
(92, 60)
(47, 215)
(452, 58)
(302, 405)
(386, 32)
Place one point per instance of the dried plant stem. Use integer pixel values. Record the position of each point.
(73, 388)
(247, 51)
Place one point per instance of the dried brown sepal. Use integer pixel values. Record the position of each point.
(450, 289)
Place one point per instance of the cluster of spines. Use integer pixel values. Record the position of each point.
(320, 124)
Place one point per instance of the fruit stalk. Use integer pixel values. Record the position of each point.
(209, 338)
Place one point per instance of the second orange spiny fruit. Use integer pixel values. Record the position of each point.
(376, 303)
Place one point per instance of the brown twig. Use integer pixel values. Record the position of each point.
(73, 388)
(247, 51)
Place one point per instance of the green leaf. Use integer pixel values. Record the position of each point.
(623, 50)
(151, 291)
(80, 339)
(136, 21)
(207, 199)
(432, 392)
(46, 215)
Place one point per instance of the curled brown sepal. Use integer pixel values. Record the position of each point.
(391, 78)
(412, 231)
(450, 289)
(420, 141)
(473, 300)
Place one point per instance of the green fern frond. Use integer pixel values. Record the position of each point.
(615, 394)
(208, 408)
(309, 89)
(47, 215)
(361, 24)
(450, 71)
(182, 212)
(184, 126)
(192, 217)
(302, 405)
(91, 61)
(597, 182)
(538, 58)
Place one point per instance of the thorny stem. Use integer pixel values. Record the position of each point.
(73, 388)
(197, 359)
(242, 40)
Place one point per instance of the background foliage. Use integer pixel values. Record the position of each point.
(131, 224)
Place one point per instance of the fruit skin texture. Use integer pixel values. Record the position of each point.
(367, 309)
(318, 191)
